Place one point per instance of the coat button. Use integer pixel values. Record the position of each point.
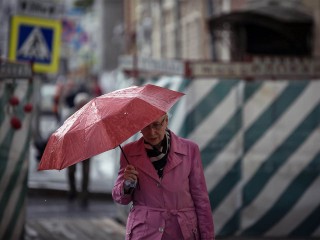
(161, 229)
(158, 185)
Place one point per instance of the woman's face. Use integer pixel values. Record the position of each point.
(155, 132)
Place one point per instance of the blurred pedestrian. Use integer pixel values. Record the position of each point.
(72, 93)
(40, 145)
(96, 89)
(56, 102)
(57, 98)
(80, 100)
(165, 182)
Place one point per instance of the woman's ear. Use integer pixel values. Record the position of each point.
(167, 120)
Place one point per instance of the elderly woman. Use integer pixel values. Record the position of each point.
(166, 185)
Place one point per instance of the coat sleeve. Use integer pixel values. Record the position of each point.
(200, 195)
(118, 194)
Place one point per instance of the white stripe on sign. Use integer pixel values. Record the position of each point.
(300, 211)
(14, 198)
(176, 82)
(198, 89)
(223, 163)
(260, 101)
(224, 212)
(316, 232)
(2, 86)
(287, 123)
(163, 81)
(5, 127)
(20, 91)
(215, 121)
(16, 148)
(20, 224)
(280, 181)
(179, 115)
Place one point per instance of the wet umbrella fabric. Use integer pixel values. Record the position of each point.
(104, 123)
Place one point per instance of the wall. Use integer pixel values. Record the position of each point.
(111, 15)
(260, 151)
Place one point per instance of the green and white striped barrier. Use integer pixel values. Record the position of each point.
(15, 135)
(259, 143)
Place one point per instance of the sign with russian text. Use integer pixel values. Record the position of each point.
(144, 64)
(14, 70)
(36, 40)
(40, 8)
(259, 67)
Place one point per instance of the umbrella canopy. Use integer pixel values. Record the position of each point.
(104, 123)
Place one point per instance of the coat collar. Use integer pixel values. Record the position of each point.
(138, 156)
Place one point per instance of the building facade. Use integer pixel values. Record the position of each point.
(222, 30)
(167, 29)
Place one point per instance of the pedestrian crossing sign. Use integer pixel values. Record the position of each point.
(36, 40)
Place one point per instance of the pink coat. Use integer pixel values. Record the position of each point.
(176, 207)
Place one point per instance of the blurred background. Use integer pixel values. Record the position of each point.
(250, 70)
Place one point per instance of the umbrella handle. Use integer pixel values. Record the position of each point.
(138, 185)
(124, 154)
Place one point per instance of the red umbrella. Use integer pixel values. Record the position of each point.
(104, 123)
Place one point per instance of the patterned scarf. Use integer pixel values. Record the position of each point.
(159, 157)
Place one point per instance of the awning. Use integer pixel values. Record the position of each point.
(264, 15)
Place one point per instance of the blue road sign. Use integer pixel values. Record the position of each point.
(37, 40)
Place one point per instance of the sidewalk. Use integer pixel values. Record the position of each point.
(49, 215)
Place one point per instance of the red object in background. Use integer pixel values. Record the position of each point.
(28, 107)
(14, 101)
(104, 123)
(15, 123)
(97, 90)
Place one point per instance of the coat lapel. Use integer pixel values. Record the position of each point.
(176, 152)
(139, 159)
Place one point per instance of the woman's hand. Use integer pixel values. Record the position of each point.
(131, 178)
(130, 173)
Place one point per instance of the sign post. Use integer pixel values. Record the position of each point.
(35, 37)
